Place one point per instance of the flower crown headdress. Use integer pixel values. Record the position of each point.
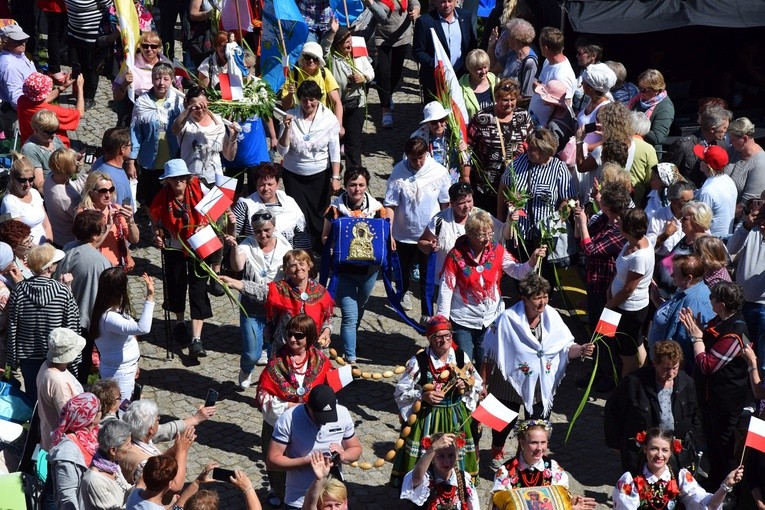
(522, 426)
(677, 445)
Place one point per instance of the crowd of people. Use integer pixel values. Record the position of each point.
(559, 165)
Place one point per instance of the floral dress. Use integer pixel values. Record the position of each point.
(435, 493)
(647, 491)
(516, 474)
(445, 417)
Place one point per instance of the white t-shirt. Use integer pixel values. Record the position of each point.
(201, 147)
(641, 262)
(417, 197)
(563, 72)
(720, 194)
(31, 214)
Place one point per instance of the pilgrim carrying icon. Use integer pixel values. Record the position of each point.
(361, 247)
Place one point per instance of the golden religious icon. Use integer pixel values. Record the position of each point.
(361, 245)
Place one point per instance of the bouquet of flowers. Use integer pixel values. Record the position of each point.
(259, 99)
(516, 199)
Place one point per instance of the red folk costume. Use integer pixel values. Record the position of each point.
(285, 300)
(179, 216)
(476, 279)
(279, 379)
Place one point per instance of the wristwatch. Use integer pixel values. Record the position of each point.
(336, 178)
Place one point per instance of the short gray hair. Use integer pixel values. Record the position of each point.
(641, 124)
(699, 212)
(714, 116)
(674, 190)
(141, 415)
(112, 434)
(742, 126)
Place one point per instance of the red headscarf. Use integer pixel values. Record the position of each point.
(75, 422)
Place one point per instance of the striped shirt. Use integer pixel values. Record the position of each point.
(546, 185)
(37, 306)
(84, 17)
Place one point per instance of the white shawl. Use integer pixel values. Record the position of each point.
(521, 358)
(289, 216)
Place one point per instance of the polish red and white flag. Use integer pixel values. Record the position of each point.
(227, 185)
(214, 203)
(359, 46)
(340, 377)
(755, 437)
(608, 322)
(205, 242)
(494, 413)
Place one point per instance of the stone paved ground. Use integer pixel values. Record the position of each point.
(232, 436)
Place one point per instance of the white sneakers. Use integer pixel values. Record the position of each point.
(245, 379)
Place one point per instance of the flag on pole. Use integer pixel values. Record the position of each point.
(295, 33)
(448, 85)
(227, 185)
(127, 19)
(359, 47)
(231, 88)
(340, 377)
(355, 8)
(205, 242)
(228, 14)
(493, 413)
(755, 437)
(214, 204)
(180, 70)
(608, 322)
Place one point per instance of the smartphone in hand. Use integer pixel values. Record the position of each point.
(212, 398)
(222, 475)
(75, 71)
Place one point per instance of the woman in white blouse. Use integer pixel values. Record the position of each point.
(310, 144)
(115, 330)
(23, 202)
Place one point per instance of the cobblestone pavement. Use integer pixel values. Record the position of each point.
(232, 436)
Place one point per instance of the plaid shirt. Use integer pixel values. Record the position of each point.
(601, 249)
(316, 13)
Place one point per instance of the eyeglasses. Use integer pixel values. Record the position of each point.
(310, 58)
(265, 216)
(23, 180)
(443, 336)
(104, 191)
(147, 46)
(643, 90)
(297, 335)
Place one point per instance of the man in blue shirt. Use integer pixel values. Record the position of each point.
(116, 145)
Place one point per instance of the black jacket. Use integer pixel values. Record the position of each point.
(634, 407)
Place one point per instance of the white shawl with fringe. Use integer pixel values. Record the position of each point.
(522, 359)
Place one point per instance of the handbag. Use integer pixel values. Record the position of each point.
(548, 497)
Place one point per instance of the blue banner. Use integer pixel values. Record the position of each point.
(295, 33)
(355, 8)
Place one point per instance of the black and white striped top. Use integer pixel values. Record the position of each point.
(546, 185)
(84, 17)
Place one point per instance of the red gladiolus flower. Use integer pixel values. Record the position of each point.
(677, 446)
(627, 488)
(460, 441)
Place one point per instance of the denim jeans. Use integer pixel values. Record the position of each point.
(252, 341)
(353, 291)
(471, 341)
(754, 315)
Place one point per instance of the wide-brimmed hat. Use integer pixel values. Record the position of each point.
(434, 111)
(15, 33)
(64, 345)
(600, 77)
(37, 86)
(323, 403)
(175, 168)
(58, 256)
(713, 155)
(554, 92)
(313, 49)
(342, 34)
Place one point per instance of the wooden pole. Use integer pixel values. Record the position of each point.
(347, 18)
(238, 20)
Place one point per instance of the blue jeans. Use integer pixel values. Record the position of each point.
(252, 341)
(754, 315)
(471, 341)
(353, 291)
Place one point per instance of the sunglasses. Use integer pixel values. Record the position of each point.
(310, 58)
(104, 191)
(437, 122)
(49, 133)
(22, 180)
(265, 216)
(150, 46)
(297, 335)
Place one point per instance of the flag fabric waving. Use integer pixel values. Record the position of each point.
(448, 86)
(608, 322)
(355, 8)
(231, 87)
(755, 437)
(359, 46)
(494, 413)
(340, 377)
(214, 204)
(205, 242)
(295, 33)
(228, 15)
(227, 185)
(127, 18)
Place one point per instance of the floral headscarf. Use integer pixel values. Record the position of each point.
(75, 422)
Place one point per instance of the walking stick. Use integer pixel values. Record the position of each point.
(169, 353)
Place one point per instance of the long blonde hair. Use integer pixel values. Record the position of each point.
(90, 185)
(20, 164)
